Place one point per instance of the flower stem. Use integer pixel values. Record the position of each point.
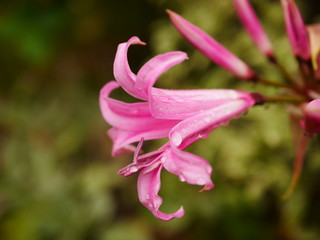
(284, 98)
(273, 83)
(298, 164)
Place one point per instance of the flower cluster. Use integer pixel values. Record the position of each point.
(185, 116)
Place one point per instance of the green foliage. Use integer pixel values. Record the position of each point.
(57, 178)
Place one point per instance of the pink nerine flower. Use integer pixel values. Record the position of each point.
(211, 48)
(183, 116)
(312, 117)
(252, 24)
(296, 30)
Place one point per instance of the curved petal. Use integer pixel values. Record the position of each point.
(148, 188)
(151, 70)
(134, 117)
(182, 104)
(191, 129)
(121, 69)
(188, 167)
(211, 48)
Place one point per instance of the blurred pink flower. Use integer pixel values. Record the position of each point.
(211, 48)
(311, 123)
(252, 24)
(296, 30)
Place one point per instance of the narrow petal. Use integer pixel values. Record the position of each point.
(253, 26)
(188, 167)
(151, 70)
(136, 165)
(314, 35)
(211, 48)
(122, 139)
(135, 117)
(182, 104)
(148, 188)
(191, 129)
(296, 30)
(121, 69)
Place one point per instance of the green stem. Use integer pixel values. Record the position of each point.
(285, 73)
(273, 83)
(284, 98)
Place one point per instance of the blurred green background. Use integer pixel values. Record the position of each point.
(57, 178)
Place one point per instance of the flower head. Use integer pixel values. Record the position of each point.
(183, 116)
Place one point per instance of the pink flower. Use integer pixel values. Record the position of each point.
(252, 25)
(184, 116)
(311, 123)
(188, 167)
(296, 30)
(211, 48)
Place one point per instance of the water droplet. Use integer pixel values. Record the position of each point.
(182, 178)
(176, 138)
(133, 169)
(207, 119)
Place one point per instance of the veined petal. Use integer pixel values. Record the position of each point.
(181, 104)
(121, 69)
(199, 126)
(211, 48)
(148, 188)
(296, 30)
(188, 167)
(151, 70)
(314, 35)
(134, 117)
(253, 26)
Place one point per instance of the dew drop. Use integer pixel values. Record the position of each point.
(133, 169)
(176, 138)
(182, 178)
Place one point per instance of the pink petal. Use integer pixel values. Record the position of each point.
(134, 117)
(151, 70)
(191, 129)
(121, 69)
(296, 30)
(147, 161)
(148, 188)
(189, 167)
(181, 104)
(252, 24)
(211, 48)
